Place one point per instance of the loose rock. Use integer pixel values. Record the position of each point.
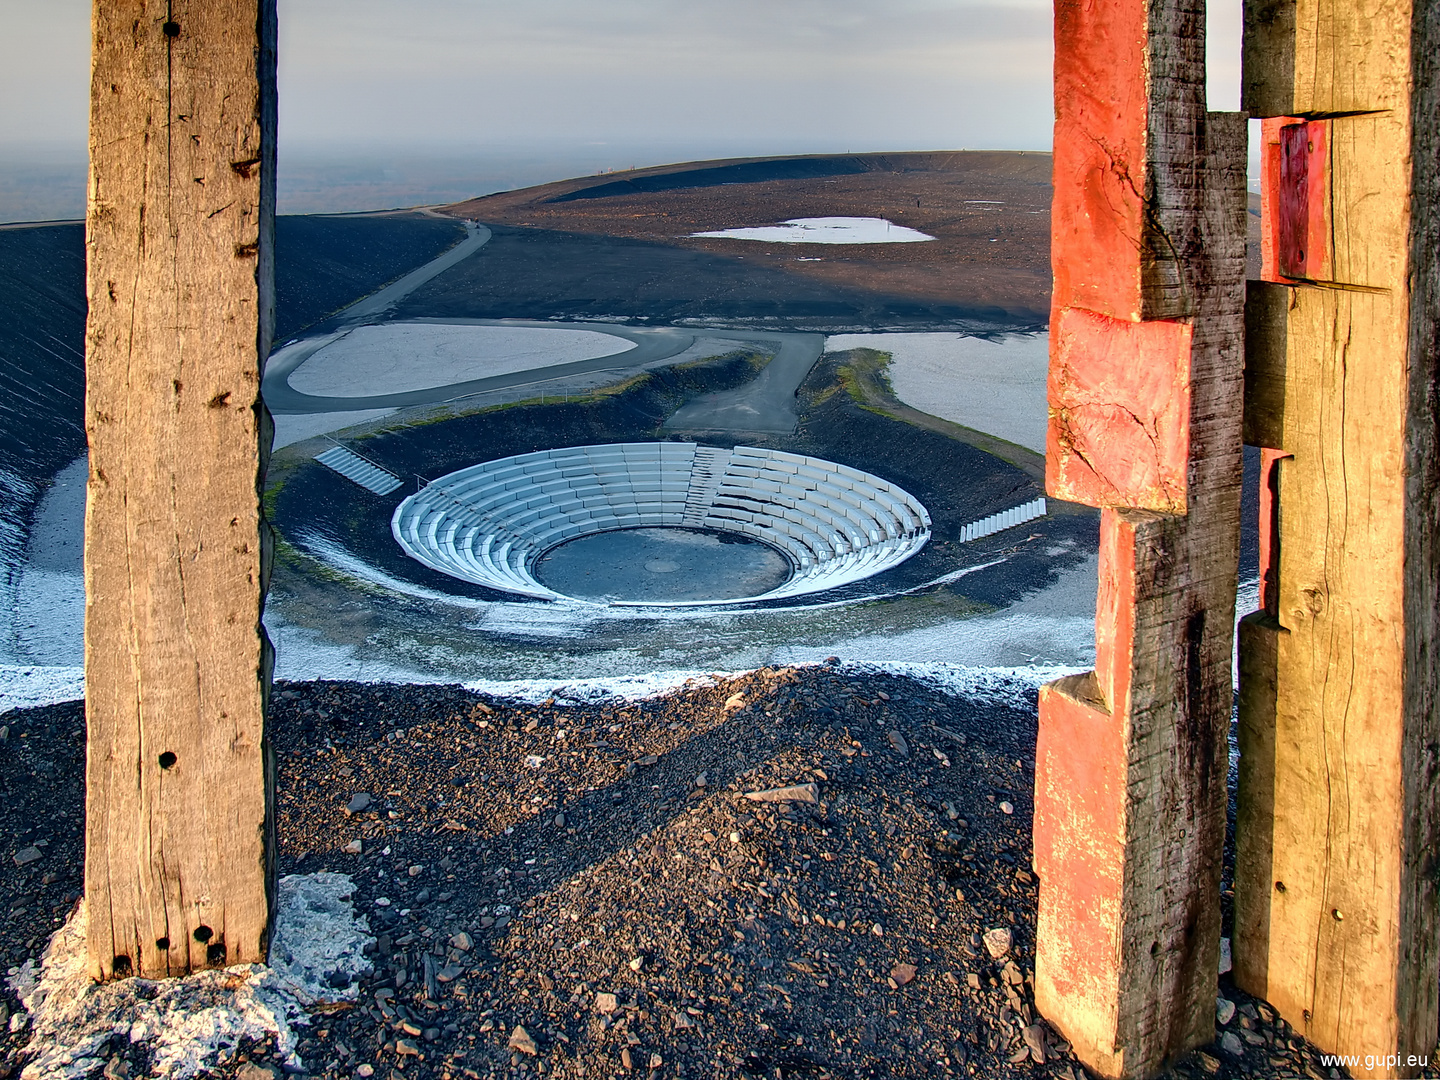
(997, 942)
(806, 793)
(901, 974)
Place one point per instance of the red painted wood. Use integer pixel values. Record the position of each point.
(1115, 610)
(1303, 244)
(1081, 766)
(1119, 430)
(1295, 226)
(1098, 211)
(1270, 196)
(1079, 837)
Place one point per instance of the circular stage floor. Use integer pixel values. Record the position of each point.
(665, 565)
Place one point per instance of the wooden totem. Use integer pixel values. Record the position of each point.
(179, 852)
(1146, 340)
(1337, 845)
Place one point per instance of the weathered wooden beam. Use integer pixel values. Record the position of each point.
(1339, 802)
(179, 849)
(1145, 413)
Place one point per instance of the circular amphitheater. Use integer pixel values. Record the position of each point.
(491, 523)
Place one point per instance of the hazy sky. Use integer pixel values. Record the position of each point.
(641, 77)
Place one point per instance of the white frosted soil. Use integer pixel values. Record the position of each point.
(1050, 632)
(47, 597)
(188, 1024)
(826, 230)
(397, 357)
(997, 387)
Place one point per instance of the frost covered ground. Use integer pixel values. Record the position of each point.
(187, 1026)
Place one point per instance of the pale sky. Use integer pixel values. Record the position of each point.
(646, 78)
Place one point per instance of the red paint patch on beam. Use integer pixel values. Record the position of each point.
(1119, 432)
(1304, 245)
(1080, 857)
(1098, 213)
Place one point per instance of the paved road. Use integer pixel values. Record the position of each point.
(373, 307)
(767, 402)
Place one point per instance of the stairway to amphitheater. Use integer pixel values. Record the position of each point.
(490, 523)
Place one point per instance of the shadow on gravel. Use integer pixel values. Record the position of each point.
(632, 919)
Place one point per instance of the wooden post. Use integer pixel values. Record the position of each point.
(179, 853)
(1146, 333)
(1335, 891)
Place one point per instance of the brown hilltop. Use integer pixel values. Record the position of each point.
(988, 210)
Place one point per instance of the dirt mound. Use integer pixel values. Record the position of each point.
(591, 886)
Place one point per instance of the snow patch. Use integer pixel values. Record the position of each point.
(826, 230)
(1012, 687)
(26, 686)
(188, 1025)
(594, 691)
(317, 951)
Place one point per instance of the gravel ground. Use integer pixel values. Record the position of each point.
(588, 890)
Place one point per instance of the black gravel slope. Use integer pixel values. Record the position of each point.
(622, 901)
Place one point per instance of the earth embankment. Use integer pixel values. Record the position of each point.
(989, 264)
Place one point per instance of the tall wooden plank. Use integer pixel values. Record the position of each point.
(1336, 893)
(1145, 392)
(179, 853)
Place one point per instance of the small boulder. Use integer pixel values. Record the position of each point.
(520, 1040)
(997, 942)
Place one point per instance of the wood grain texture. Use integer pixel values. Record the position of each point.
(1417, 1006)
(179, 845)
(1258, 640)
(1368, 220)
(1267, 307)
(1335, 876)
(1332, 930)
(1323, 57)
(1161, 692)
(1128, 153)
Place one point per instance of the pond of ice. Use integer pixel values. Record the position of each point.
(395, 357)
(826, 230)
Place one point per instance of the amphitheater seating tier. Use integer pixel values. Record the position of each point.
(491, 522)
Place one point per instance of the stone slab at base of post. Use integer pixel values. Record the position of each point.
(179, 845)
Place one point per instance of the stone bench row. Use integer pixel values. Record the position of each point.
(489, 523)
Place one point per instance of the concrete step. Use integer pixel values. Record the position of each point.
(707, 473)
(355, 468)
(1006, 519)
